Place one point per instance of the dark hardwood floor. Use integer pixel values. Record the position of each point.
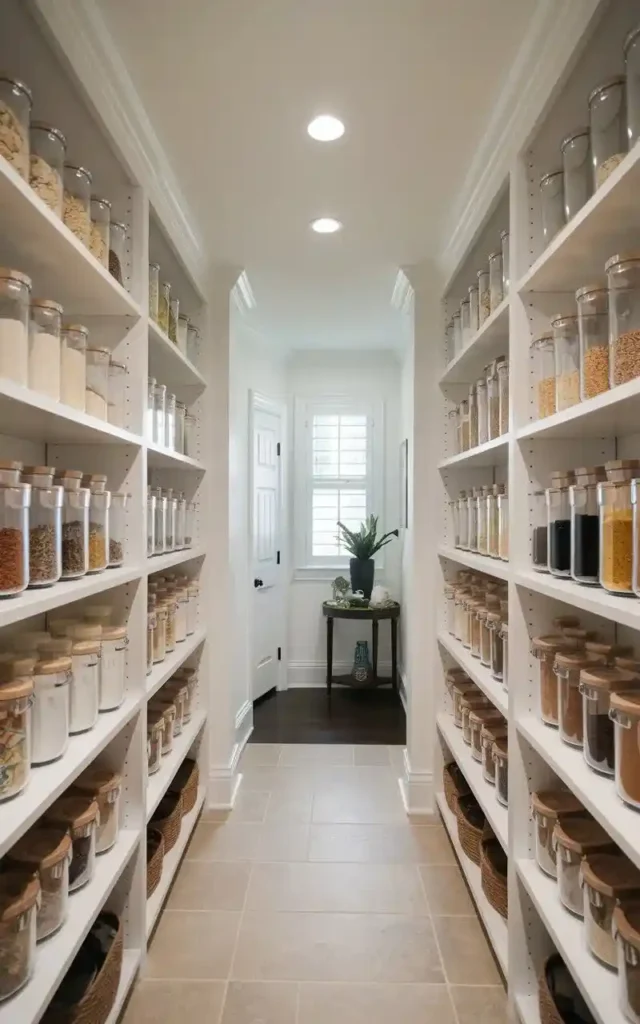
(348, 716)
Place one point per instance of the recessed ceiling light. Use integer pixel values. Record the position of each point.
(326, 128)
(326, 225)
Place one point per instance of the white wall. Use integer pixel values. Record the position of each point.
(376, 377)
(406, 536)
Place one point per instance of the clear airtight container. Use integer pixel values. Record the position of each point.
(85, 680)
(160, 634)
(155, 732)
(568, 666)
(623, 279)
(479, 720)
(626, 932)
(118, 251)
(547, 808)
(578, 175)
(483, 410)
(16, 700)
(99, 506)
(460, 689)
(19, 898)
(174, 313)
(500, 754)
(193, 343)
(46, 853)
(104, 786)
(187, 678)
(449, 606)
(161, 519)
(616, 529)
(50, 718)
(469, 703)
(170, 422)
(100, 229)
(151, 522)
(77, 202)
(608, 122)
(181, 520)
(488, 736)
(113, 667)
(493, 527)
(465, 322)
(544, 374)
(540, 533)
(44, 347)
(503, 395)
(476, 610)
(607, 879)
(473, 308)
(503, 526)
(79, 815)
(598, 687)
(464, 425)
(75, 524)
(151, 626)
(14, 538)
(150, 415)
(116, 393)
(552, 204)
(545, 649)
(593, 327)
(170, 519)
(495, 280)
(585, 524)
(493, 400)
(15, 114)
(45, 526)
(164, 302)
(484, 296)
(473, 416)
(494, 622)
(97, 387)
(118, 528)
(73, 365)
(15, 294)
(177, 692)
(575, 838)
(154, 291)
(159, 399)
(182, 602)
(168, 711)
(168, 600)
(463, 521)
(559, 523)
(485, 638)
(504, 636)
(566, 343)
(190, 446)
(181, 411)
(192, 610)
(632, 62)
(506, 260)
(625, 714)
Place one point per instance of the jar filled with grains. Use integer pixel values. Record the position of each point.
(45, 526)
(99, 507)
(479, 720)
(495, 279)
(159, 399)
(15, 294)
(472, 516)
(151, 522)
(44, 347)
(484, 296)
(73, 365)
(463, 521)
(77, 202)
(456, 334)
(46, 854)
(15, 499)
(608, 122)
(190, 524)
(566, 344)
(585, 524)
(593, 327)
(470, 703)
(488, 736)
(476, 612)
(19, 899)
(164, 302)
(116, 393)
(547, 808)
(623, 278)
(625, 715)
(559, 522)
(632, 66)
(174, 313)
(544, 374)
(46, 164)
(16, 701)
(545, 649)
(552, 204)
(578, 174)
(161, 520)
(160, 634)
(118, 528)
(170, 519)
(193, 343)
(97, 384)
(78, 815)
(15, 115)
(473, 416)
(154, 292)
(616, 526)
(75, 524)
(464, 425)
(155, 732)
(473, 308)
(168, 712)
(575, 838)
(598, 687)
(483, 410)
(100, 210)
(182, 332)
(626, 932)
(505, 248)
(503, 395)
(503, 525)
(167, 597)
(607, 880)
(117, 250)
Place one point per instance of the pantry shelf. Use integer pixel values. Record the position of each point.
(495, 925)
(167, 362)
(481, 563)
(165, 669)
(490, 341)
(54, 956)
(490, 454)
(158, 563)
(614, 412)
(624, 610)
(163, 458)
(485, 794)
(172, 862)
(598, 985)
(159, 782)
(480, 674)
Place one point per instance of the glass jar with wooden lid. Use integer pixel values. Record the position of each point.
(545, 649)
(472, 702)
(19, 897)
(626, 932)
(463, 521)
(616, 526)
(45, 852)
(625, 714)
(575, 838)
(547, 808)
(607, 878)
(473, 416)
(482, 518)
(86, 645)
(488, 736)
(598, 686)
(16, 700)
(155, 733)
(79, 815)
(567, 667)
(500, 755)
(494, 622)
(493, 525)
(104, 785)
(168, 712)
(459, 690)
(478, 719)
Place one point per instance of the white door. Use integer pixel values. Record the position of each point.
(265, 530)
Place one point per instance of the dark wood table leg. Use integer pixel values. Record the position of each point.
(394, 653)
(329, 653)
(374, 644)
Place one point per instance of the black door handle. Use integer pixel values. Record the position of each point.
(258, 583)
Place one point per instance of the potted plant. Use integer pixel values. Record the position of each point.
(363, 545)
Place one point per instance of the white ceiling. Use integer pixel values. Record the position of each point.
(230, 86)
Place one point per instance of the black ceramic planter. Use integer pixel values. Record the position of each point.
(362, 573)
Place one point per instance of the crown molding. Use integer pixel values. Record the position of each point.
(82, 34)
(546, 51)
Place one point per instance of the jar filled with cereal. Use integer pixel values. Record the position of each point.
(616, 529)
(100, 223)
(593, 328)
(544, 374)
(608, 121)
(48, 147)
(566, 344)
(623, 279)
(15, 115)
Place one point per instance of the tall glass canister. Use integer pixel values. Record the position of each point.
(566, 343)
(154, 291)
(608, 122)
(472, 517)
(463, 521)
(73, 365)
(44, 347)
(473, 416)
(118, 528)
(540, 533)
(495, 279)
(15, 499)
(45, 526)
(465, 322)
(552, 204)
(593, 327)
(482, 519)
(559, 523)
(161, 520)
(464, 425)
(632, 62)
(75, 524)
(578, 176)
(159, 399)
(493, 400)
(151, 522)
(503, 394)
(506, 261)
(473, 308)
(616, 526)
(544, 374)
(623, 279)
(503, 526)
(170, 519)
(118, 251)
(181, 520)
(483, 410)
(15, 293)
(585, 524)
(484, 296)
(99, 507)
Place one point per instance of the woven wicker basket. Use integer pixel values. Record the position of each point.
(167, 819)
(155, 859)
(549, 1013)
(493, 873)
(455, 785)
(186, 782)
(472, 827)
(97, 1003)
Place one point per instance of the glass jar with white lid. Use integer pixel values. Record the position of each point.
(97, 385)
(483, 410)
(100, 210)
(77, 202)
(151, 626)
(578, 175)
(456, 334)
(182, 604)
(44, 347)
(99, 506)
(45, 526)
(118, 251)
(50, 718)
(15, 108)
(608, 122)
(75, 524)
(73, 365)
(116, 393)
(15, 295)
(46, 164)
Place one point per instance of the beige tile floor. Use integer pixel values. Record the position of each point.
(317, 901)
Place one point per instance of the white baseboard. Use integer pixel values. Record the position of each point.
(314, 673)
(225, 780)
(416, 789)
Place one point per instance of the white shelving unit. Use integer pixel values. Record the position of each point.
(543, 283)
(35, 429)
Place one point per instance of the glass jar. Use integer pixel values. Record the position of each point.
(493, 526)
(567, 666)
(472, 516)
(170, 519)
(15, 294)
(495, 280)
(190, 436)
(181, 520)
(461, 621)
(500, 754)
(160, 635)
(616, 526)
(484, 296)
(15, 112)
(45, 853)
(73, 365)
(475, 608)
(76, 203)
(117, 528)
(456, 334)
(462, 519)
(593, 329)
(168, 712)
(168, 599)
(623, 278)
(473, 417)
(576, 166)
(78, 815)
(151, 522)
(608, 122)
(154, 292)
(482, 410)
(625, 714)
(503, 526)
(453, 511)
(164, 303)
(15, 500)
(503, 395)
(155, 732)
(177, 692)
(465, 322)
(97, 384)
(459, 691)
(632, 64)
(575, 838)
(449, 611)
(45, 526)
(469, 703)
(19, 900)
(46, 164)
(170, 422)
(100, 229)
(104, 786)
(192, 610)
(193, 343)
(598, 686)
(151, 626)
(607, 880)
(99, 506)
(182, 602)
(485, 638)
(559, 523)
(506, 261)
(85, 679)
(478, 720)
(544, 374)
(483, 520)
(552, 204)
(160, 520)
(493, 400)
(117, 390)
(585, 524)
(50, 717)
(539, 545)
(150, 415)
(464, 423)
(190, 524)
(174, 313)
(488, 736)
(181, 411)
(547, 808)
(113, 663)
(75, 524)
(545, 649)
(16, 701)
(118, 251)
(494, 621)
(182, 332)
(187, 677)
(503, 633)
(159, 399)
(566, 344)
(473, 309)
(44, 347)
(626, 932)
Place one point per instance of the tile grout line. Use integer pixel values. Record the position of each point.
(437, 943)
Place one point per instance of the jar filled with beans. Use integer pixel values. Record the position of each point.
(623, 279)
(593, 328)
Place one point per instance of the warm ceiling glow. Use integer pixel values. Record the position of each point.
(326, 128)
(326, 225)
